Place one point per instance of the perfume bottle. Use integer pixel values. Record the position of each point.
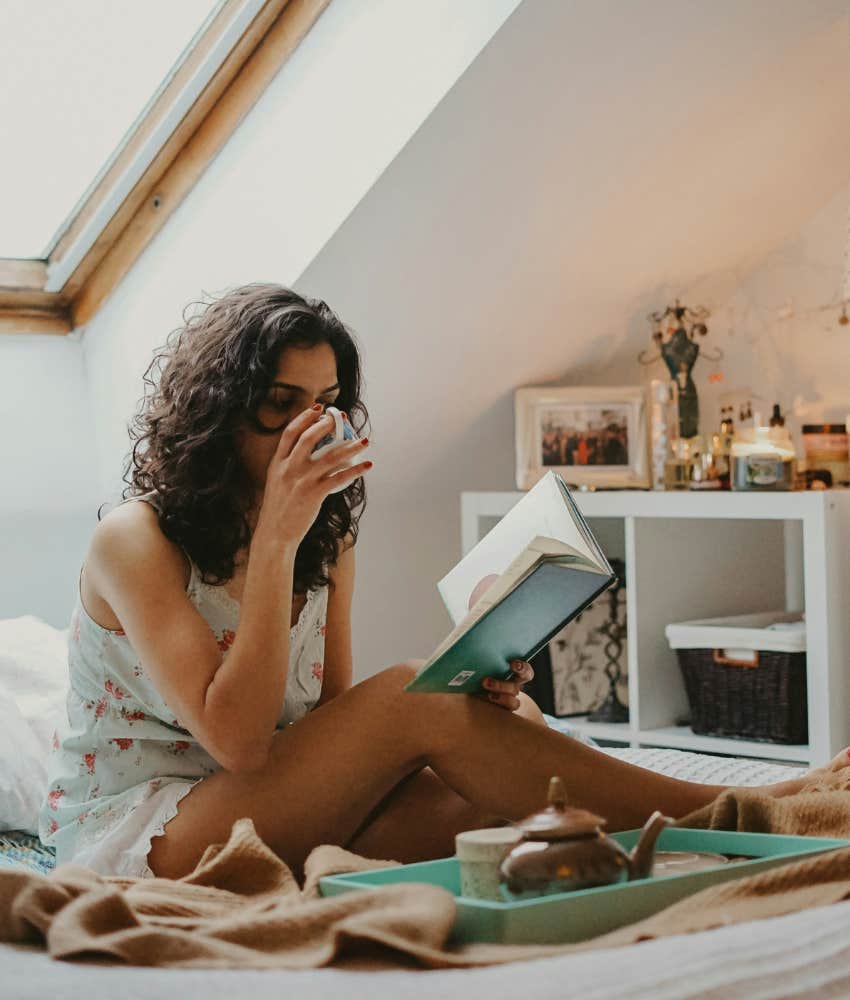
(705, 472)
(680, 468)
(721, 448)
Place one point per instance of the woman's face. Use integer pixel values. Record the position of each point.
(305, 376)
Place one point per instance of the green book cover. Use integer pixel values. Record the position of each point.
(530, 575)
(517, 627)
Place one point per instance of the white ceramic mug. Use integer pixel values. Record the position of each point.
(342, 433)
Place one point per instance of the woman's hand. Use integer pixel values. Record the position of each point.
(295, 485)
(505, 694)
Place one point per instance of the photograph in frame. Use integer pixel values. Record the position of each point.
(594, 437)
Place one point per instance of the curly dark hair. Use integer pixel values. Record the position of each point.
(214, 371)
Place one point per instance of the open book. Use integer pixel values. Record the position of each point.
(536, 570)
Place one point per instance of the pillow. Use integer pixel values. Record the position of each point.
(33, 686)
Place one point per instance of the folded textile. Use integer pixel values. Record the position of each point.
(820, 809)
(242, 907)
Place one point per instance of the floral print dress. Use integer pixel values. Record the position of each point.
(122, 761)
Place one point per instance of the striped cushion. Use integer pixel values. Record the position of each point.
(23, 850)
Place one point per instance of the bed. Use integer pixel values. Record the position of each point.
(803, 954)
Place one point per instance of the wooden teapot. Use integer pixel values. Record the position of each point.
(564, 848)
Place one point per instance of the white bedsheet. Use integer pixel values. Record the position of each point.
(801, 955)
(706, 768)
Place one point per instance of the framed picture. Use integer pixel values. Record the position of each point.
(593, 436)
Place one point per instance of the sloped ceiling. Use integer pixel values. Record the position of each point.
(596, 160)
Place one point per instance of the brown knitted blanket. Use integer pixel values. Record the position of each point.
(241, 906)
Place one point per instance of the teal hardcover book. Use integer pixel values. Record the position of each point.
(539, 568)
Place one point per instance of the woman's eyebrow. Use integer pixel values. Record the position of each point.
(298, 388)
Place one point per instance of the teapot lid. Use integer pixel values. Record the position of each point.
(558, 820)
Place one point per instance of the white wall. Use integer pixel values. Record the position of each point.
(362, 82)
(48, 474)
(594, 162)
(777, 336)
(776, 325)
(343, 105)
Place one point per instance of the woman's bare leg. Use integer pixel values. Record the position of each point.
(418, 820)
(329, 771)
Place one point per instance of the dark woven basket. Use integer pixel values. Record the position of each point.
(762, 701)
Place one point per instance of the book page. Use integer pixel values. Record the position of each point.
(542, 512)
(525, 562)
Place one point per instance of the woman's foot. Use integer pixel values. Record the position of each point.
(818, 778)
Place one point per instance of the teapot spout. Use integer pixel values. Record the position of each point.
(641, 858)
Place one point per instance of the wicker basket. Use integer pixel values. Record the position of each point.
(739, 689)
(765, 700)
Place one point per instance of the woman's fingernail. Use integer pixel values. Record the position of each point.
(317, 407)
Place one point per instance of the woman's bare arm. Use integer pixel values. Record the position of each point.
(231, 704)
(338, 662)
(141, 575)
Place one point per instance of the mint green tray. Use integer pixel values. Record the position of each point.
(577, 916)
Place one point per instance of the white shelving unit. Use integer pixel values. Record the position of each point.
(691, 555)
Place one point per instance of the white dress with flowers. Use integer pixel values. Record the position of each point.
(122, 761)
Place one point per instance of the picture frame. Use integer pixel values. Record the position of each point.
(593, 436)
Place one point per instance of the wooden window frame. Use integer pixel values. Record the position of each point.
(177, 136)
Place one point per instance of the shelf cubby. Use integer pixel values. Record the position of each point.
(691, 555)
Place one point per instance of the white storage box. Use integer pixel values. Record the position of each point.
(780, 631)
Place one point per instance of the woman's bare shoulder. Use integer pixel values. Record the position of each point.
(130, 536)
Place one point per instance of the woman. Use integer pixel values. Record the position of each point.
(210, 661)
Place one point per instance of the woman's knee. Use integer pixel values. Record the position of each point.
(402, 673)
(529, 709)
(393, 680)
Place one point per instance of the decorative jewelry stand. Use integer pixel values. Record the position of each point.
(680, 352)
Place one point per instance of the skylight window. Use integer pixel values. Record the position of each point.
(74, 77)
(111, 111)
